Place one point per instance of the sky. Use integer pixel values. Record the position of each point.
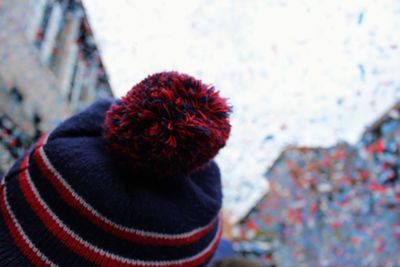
(296, 72)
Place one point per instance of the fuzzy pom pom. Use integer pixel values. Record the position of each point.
(168, 124)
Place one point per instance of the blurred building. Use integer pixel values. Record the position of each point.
(50, 68)
(332, 206)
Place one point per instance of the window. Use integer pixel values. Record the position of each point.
(50, 26)
(43, 26)
(16, 95)
(74, 74)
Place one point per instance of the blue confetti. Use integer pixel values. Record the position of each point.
(360, 18)
(362, 72)
(269, 137)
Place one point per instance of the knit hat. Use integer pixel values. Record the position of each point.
(127, 182)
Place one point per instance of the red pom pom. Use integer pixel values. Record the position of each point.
(168, 124)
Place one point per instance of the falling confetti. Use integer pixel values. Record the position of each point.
(280, 63)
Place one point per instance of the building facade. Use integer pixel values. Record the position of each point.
(50, 68)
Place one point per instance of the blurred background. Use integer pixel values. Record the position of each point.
(311, 171)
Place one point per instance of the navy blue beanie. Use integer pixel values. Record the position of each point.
(128, 182)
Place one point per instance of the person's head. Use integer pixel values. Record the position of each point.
(129, 182)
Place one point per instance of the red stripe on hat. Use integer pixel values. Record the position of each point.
(83, 208)
(89, 251)
(17, 234)
(19, 240)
